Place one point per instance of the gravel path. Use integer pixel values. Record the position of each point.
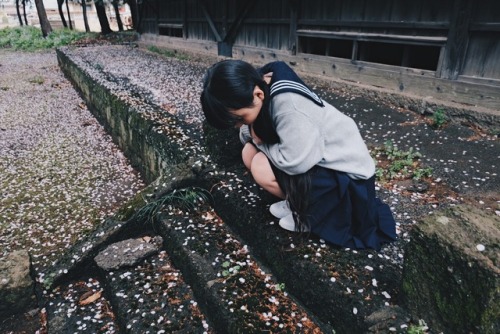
(60, 173)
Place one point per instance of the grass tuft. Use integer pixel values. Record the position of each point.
(400, 164)
(186, 199)
(28, 38)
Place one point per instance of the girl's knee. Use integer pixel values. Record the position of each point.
(260, 162)
(264, 176)
(261, 168)
(247, 154)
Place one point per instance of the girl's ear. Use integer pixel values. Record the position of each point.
(258, 93)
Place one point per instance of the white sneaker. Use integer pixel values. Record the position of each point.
(280, 209)
(288, 224)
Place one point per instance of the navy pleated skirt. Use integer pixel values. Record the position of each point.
(345, 212)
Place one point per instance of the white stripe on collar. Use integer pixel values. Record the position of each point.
(293, 85)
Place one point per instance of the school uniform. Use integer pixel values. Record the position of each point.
(318, 139)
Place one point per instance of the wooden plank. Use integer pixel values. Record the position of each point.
(170, 25)
(377, 10)
(185, 19)
(355, 51)
(225, 13)
(482, 56)
(433, 10)
(236, 25)
(332, 10)
(481, 81)
(488, 11)
(485, 26)
(438, 25)
(210, 22)
(427, 40)
(353, 10)
(407, 12)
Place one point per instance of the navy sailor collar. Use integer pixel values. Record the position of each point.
(284, 79)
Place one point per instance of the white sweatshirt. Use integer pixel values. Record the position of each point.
(313, 135)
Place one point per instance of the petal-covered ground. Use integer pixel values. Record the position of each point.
(60, 173)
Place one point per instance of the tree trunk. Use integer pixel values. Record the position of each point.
(117, 14)
(60, 4)
(24, 13)
(103, 19)
(42, 16)
(19, 13)
(85, 19)
(134, 12)
(69, 15)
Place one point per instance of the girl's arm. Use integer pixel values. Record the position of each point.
(245, 135)
(255, 138)
(248, 134)
(301, 144)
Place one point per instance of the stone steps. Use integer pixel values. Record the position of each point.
(153, 298)
(200, 279)
(204, 278)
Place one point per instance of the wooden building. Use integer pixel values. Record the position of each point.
(442, 50)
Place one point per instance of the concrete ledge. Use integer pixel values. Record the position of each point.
(451, 273)
(16, 285)
(139, 128)
(236, 292)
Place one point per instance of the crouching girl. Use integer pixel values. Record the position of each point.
(302, 150)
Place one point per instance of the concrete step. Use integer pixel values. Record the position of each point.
(201, 279)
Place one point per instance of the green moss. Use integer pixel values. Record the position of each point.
(131, 207)
(168, 53)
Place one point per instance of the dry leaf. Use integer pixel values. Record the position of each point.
(43, 317)
(209, 216)
(91, 298)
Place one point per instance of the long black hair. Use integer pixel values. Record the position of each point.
(229, 85)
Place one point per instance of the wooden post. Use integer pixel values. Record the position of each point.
(224, 18)
(185, 20)
(458, 39)
(157, 16)
(354, 55)
(225, 47)
(292, 43)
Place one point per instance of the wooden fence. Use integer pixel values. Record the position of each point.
(448, 41)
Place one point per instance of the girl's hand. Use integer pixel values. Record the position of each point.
(255, 138)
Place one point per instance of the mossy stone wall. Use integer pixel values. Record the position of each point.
(451, 274)
(136, 135)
